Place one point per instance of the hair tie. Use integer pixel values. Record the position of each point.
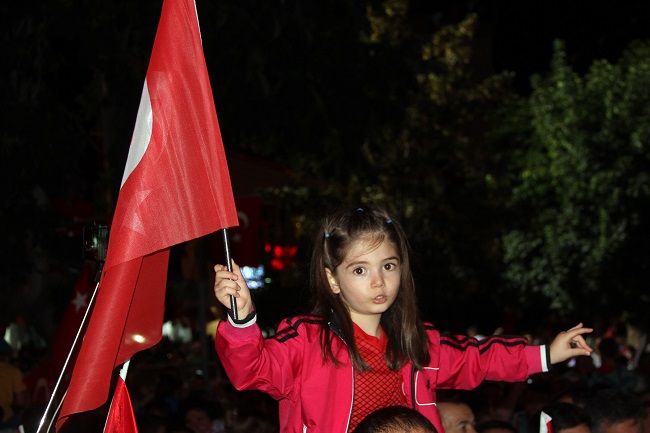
(359, 209)
(327, 235)
(389, 221)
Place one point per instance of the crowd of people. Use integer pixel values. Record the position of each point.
(605, 393)
(608, 392)
(363, 361)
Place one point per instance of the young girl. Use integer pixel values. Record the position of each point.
(364, 346)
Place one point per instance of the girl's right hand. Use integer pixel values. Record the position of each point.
(228, 284)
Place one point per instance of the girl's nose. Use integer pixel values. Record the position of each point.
(378, 281)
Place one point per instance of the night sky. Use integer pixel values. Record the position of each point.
(512, 35)
(523, 32)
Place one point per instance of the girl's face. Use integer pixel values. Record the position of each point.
(367, 280)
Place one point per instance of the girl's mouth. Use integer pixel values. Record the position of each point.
(380, 299)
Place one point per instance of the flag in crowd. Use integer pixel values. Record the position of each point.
(176, 187)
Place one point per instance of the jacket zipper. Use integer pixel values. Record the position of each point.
(335, 329)
(413, 386)
(347, 427)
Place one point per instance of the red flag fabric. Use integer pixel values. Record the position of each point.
(121, 418)
(176, 187)
(73, 316)
(41, 379)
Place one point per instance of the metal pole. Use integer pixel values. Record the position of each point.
(226, 245)
(67, 360)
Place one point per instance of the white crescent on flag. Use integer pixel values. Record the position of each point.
(141, 134)
(176, 187)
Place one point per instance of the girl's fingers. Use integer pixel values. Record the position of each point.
(578, 326)
(582, 343)
(225, 275)
(577, 341)
(578, 330)
(225, 288)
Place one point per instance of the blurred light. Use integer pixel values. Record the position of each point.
(176, 332)
(254, 276)
(138, 338)
(282, 256)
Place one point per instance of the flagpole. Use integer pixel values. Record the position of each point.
(226, 246)
(67, 360)
(123, 372)
(49, 426)
(196, 195)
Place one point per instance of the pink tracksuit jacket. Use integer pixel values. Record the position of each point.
(315, 396)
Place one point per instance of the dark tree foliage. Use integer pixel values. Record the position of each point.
(389, 101)
(421, 146)
(582, 189)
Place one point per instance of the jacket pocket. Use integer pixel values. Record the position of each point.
(425, 386)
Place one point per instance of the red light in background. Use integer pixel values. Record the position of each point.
(282, 256)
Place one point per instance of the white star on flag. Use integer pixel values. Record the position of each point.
(133, 219)
(80, 301)
(176, 188)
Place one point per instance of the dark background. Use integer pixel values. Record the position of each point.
(73, 74)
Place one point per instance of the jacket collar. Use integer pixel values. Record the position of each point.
(335, 325)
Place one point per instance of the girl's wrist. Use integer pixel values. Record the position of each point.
(244, 315)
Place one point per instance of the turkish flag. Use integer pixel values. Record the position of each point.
(74, 314)
(176, 187)
(121, 418)
(41, 380)
(545, 425)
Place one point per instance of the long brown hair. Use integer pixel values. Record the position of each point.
(407, 339)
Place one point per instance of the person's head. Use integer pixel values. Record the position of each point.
(614, 411)
(360, 265)
(179, 429)
(5, 350)
(608, 349)
(577, 395)
(645, 403)
(496, 426)
(148, 423)
(395, 419)
(252, 424)
(568, 418)
(198, 419)
(199, 416)
(349, 233)
(537, 394)
(456, 417)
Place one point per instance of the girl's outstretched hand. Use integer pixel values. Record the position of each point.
(568, 344)
(228, 283)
